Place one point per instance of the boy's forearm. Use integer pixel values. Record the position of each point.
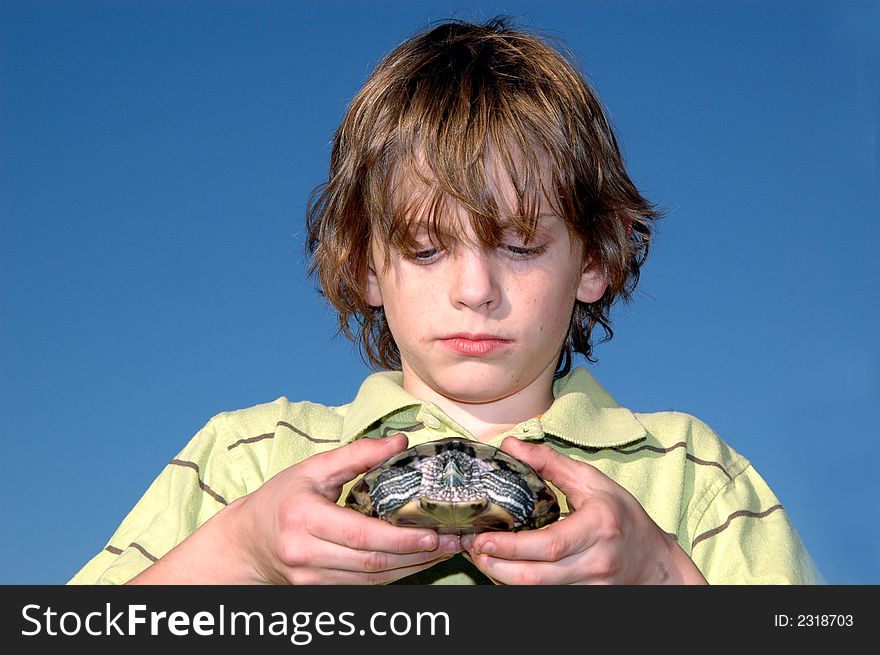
(682, 569)
(210, 555)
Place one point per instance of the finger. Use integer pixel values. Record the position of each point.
(529, 573)
(316, 576)
(349, 528)
(342, 558)
(551, 544)
(573, 478)
(334, 468)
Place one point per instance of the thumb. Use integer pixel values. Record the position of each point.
(574, 479)
(332, 469)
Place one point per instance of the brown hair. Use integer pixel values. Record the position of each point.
(438, 107)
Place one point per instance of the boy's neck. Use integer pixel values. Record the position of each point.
(485, 420)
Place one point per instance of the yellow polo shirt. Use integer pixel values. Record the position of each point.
(691, 483)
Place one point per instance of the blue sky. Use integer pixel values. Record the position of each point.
(156, 159)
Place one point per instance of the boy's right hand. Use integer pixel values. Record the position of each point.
(291, 531)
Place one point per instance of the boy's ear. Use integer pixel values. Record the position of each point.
(593, 283)
(372, 292)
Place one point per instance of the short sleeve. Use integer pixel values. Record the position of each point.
(746, 537)
(196, 484)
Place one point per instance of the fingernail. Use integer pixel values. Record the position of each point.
(487, 547)
(428, 542)
(467, 541)
(450, 544)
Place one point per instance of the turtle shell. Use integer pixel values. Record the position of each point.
(455, 486)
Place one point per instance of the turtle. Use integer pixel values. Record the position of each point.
(456, 486)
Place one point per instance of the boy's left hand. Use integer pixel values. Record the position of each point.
(607, 539)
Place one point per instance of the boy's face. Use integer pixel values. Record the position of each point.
(476, 324)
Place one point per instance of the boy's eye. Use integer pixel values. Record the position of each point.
(521, 252)
(425, 255)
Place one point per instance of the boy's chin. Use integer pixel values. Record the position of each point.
(474, 396)
(475, 386)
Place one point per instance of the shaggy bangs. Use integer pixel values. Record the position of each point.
(423, 199)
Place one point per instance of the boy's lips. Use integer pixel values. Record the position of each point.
(474, 345)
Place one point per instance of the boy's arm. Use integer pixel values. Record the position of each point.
(608, 538)
(291, 531)
(196, 484)
(745, 536)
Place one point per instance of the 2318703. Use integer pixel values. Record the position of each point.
(813, 620)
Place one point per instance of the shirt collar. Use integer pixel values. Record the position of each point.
(380, 396)
(583, 413)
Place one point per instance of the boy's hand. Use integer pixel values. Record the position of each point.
(296, 533)
(607, 539)
(291, 531)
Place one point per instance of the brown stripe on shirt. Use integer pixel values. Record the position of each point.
(653, 449)
(663, 451)
(704, 462)
(726, 524)
(409, 428)
(271, 435)
(213, 494)
(143, 551)
(259, 437)
(303, 434)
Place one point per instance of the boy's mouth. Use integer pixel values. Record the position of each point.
(474, 345)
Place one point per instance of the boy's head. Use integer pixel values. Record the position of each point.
(481, 124)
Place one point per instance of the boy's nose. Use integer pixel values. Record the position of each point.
(475, 283)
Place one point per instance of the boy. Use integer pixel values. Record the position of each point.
(476, 225)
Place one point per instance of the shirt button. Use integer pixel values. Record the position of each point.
(432, 421)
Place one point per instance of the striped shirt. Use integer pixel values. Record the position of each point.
(690, 482)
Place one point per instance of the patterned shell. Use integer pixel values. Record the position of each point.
(456, 486)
